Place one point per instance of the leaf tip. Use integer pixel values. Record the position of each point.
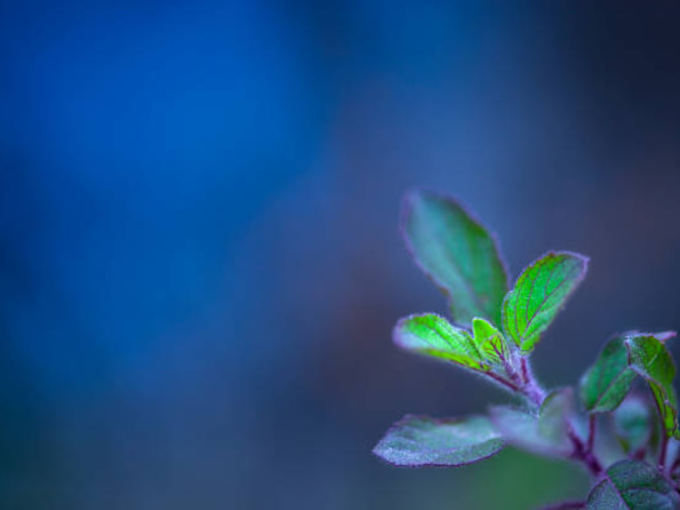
(399, 329)
(583, 260)
(664, 336)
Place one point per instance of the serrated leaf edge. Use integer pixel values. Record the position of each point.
(439, 421)
(612, 338)
(606, 478)
(586, 262)
(407, 207)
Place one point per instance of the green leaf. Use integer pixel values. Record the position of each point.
(457, 253)
(632, 423)
(608, 381)
(667, 404)
(605, 384)
(489, 341)
(633, 485)
(418, 441)
(545, 433)
(651, 360)
(541, 291)
(432, 335)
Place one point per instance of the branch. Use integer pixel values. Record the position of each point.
(592, 428)
(583, 454)
(531, 389)
(566, 505)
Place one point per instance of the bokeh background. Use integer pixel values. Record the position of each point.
(200, 264)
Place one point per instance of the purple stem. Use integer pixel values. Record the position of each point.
(531, 389)
(535, 393)
(525, 371)
(566, 505)
(592, 428)
(522, 383)
(583, 454)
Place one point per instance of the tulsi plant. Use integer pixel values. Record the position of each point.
(626, 440)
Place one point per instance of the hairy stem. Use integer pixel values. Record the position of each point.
(531, 389)
(582, 452)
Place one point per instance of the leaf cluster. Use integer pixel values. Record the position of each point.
(493, 329)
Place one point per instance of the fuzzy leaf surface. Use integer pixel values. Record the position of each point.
(545, 433)
(651, 360)
(540, 293)
(606, 383)
(489, 341)
(633, 485)
(432, 335)
(458, 254)
(633, 423)
(418, 441)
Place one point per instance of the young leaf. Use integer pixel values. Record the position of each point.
(541, 291)
(433, 335)
(489, 341)
(607, 382)
(632, 423)
(418, 441)
(651, 360)
(633, 485)
(664, 336)
(545, 434)
(457, 253)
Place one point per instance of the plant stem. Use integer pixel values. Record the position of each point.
(584, 454)
(593, 463)
(566, 505)
(662, 451)
(531, 389)
(525, 370)
(592, 428)
(535, 393)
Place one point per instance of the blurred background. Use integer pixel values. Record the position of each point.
(200, 265)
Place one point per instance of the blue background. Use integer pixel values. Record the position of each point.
(199, 258)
